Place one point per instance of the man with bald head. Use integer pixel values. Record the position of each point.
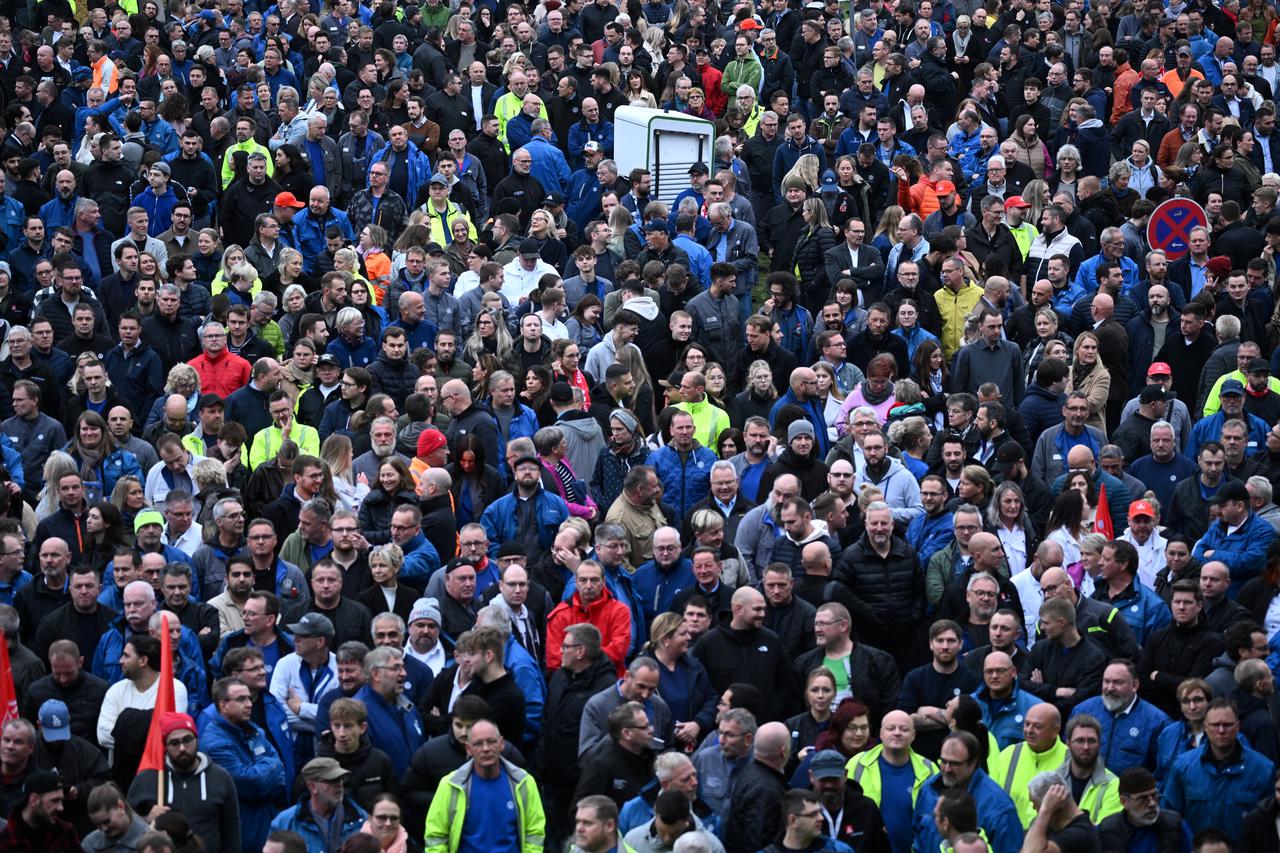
(755, 809)
(468, 419)
(1081, 458)
(1004, 703)
(1040, 750)
(758, 530)
(1098, 621)
(890, 773)
(767, 668)
(38, 599)
(986, 558)
(803, 392)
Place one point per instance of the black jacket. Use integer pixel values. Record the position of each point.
(1256, 723)
(610, 770)
(810, 470)
(206, 797)
(1080, 667)
(440, 527)
(83, 697)
(1116, 831)
(567, 696)
(396, 379)
(873, 675)
(755, 813)
(175, 340)
(753, 656)
(350, 618)
(241, 204)
(893, 586)
(370, 772)
(80, 763)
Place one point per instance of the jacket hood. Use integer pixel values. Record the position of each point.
(1091, 122)
(644, 306)
(819, 531)
(579, 422)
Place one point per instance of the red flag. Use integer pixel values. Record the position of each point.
(1102, 519)
(153, 756)
(8, 695)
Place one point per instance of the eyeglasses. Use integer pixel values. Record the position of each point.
(386, 818)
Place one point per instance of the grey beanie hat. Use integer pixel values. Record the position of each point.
(800, 427)
(627, 419)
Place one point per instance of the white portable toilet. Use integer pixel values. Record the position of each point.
(664, 142)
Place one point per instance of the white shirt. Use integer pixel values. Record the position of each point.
(123, 695)
(287, 675)
(436, 659)
(1031, 597)
(1150, 556)
(188, 542)
(518, 282)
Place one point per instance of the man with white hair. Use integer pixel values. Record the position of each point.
(1059, 823)
(1260, 499)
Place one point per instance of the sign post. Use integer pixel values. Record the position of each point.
(1170, 224)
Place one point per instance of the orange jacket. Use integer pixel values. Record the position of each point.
(920, 198)
(1126, 79)
(221, 375)
(610, 616)
(1174, 83)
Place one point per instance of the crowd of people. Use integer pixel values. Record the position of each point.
(866, 484)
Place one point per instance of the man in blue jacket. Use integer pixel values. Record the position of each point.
(1118, 586)
(310, 225)
(313, 816)
(1239, 538)
(394, 724)
(1217, 784)
(1003, 702)
(1130, 725)
(139, 603)
(1231, 397)
(235, 744)
(528, 514)
(997, 814)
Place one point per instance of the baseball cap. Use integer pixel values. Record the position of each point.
(55, 720)
(1231, 386)
(827, 764)
(208, 15)
(1258, 365)
(561, 392)
(1138, 509)
(529, 248)
(147, 516)
(944, 187)
(42, 782)
(1184, 51)
(433, 249)
(1232, 491)
(1009, 454)
(699, 169)
(655, 225)
(592, 146)
(829, 184)
(1154, 394)
(312, 625)
(425, 608)
(1159, 368)
(288, 199)
(328, 360)
(440, 179)
(207, 400)
(162, 167)
(554, 199)
(323, 770)
(750, 24)
(1016, 201)
(527, 459)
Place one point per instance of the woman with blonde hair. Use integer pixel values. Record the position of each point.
(809, 255)
(683, 681)
(337, 455)
(58, 464)
(1036, 194)
(830, 397)
(232, 257)
(181, 379)
(288, 272)
(885, 236)
(806, 171)
(643, 402)
(387, 593)
(620, 219)
(1090, 376)
(758, 398)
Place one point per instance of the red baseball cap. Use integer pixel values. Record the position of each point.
(288, 199)
(1159, 368)
(1141, 508)
(1016, 201)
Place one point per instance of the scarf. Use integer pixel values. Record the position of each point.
(876, 399)
(90, 460)
(398, 845)
(1080, 372)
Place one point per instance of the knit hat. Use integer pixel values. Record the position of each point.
(625, 418)
(800, 427)
(1219, 267)
(147, 516)
(429, 441)
(425, 608)
(562, 392)
(171, 722)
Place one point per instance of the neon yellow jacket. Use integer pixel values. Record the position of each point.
(708, 421)
(1024, 235)
(954, 307)
(1213, 402)
(249, 146)
(1013, 768)
(449, 810)
(507, 107)
(1101, 797)
(864, 768)
(440, 223)
(266, 443)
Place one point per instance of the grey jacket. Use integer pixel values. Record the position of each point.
(756, 535)
(743, 252)
(1047, 462)
(595, 717)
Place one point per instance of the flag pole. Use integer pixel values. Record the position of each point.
(160, 786)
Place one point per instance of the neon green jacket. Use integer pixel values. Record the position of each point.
(1016, 765)
(507, 107)
(708, 421)
(449, 810)
(1213, 402)
(249, 146)
(266, 443)
(864, 768)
